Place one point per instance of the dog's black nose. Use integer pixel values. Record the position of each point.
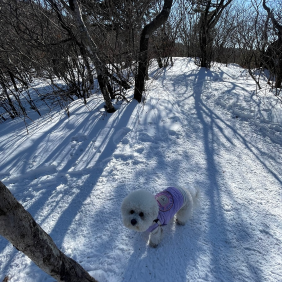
(133, 221)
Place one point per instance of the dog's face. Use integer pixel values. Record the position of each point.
(139, 209)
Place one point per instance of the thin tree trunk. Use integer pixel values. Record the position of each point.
(19, 227)
(87, 65)
(147, 31)
(92, 51)
(13, 111)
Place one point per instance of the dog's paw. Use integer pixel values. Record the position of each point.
(153, 245)
(156, 237)
(179, 222)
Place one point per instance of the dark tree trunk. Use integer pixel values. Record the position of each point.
(147, 31)
(208, 20)
(12, 111)
(276, 49)
(272, 60)
(205, 61)
(19, 227)
(278, 82)
(278, 70)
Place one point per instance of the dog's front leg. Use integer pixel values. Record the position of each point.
(156, 237)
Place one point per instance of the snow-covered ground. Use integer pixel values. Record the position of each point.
(202, 128)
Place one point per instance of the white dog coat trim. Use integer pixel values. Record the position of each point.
(170, 201)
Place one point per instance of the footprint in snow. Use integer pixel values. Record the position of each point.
(144, 137)
(79, 138)
(174, 118)
(75, 140)
(139, 150)
(174, 129)
(172, 132)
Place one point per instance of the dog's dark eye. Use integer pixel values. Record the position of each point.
(132, 212)
(141, 214)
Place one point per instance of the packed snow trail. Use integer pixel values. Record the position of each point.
(204, 128)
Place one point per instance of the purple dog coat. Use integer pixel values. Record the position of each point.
(170, 201)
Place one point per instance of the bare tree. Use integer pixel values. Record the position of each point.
(225, 48)
(147, 31)
(187, 34)
(273, 55)
(86, 43)
(19, 227)
(210, 12)
(33, 44)
(50, 39)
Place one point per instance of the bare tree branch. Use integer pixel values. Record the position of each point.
(19, 227)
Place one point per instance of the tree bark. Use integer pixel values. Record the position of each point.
(208, 20)
(19, 227)
(277, 49)
(12, 111)
(92, 51)
(147, 31)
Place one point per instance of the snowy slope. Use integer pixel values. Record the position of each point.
(201, 128)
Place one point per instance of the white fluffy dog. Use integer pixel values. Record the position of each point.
(142, 211)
